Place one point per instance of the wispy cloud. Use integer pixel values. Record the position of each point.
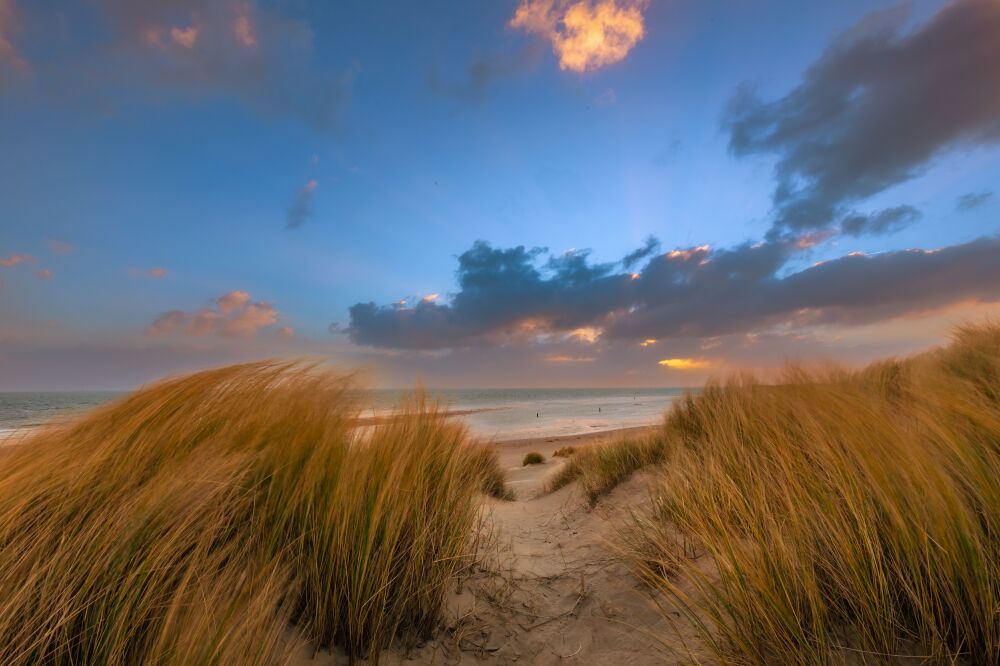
(480, 76)
(15, 259)
(974, 200)
(584, 35)
(850, 129)
(61, 247)
(233, 314)
(887, 221)
(301, 208)
(11, 61)
(44, 274)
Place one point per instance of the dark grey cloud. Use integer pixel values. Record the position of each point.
(301, 208)
(649, 248)
(695, 292)
(886, 221)
(482, 74)
(874, 110)
(501, 292)
(974, 200)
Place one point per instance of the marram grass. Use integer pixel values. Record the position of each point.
(833, 517)
(228, 516)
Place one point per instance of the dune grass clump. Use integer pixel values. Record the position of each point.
(563, 452)
(227, 517)
(599, 469)
(533, 458)
(849, 515)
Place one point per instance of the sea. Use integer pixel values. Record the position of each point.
(498, 414)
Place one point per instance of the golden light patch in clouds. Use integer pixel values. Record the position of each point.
(584, 35)
(686, 363)
(648, 342)
(430, 298)
(586, 334)
(563, 358)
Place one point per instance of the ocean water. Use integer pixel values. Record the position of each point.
(501, 414)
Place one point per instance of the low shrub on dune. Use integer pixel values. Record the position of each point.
(228, 516)
(533, 459)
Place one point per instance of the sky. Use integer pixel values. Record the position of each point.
(513, 193)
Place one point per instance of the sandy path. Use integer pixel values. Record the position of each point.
(550, 590)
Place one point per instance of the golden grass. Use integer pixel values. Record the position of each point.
(599, 469)
(844, 513)
(226, 517)
(563, 452)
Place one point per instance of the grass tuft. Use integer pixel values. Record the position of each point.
(533, 459)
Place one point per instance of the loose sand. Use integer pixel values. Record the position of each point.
(550, 590)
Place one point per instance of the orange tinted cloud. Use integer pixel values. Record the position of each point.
(234, 315)
(232, 301)
(243, 28)
(686, 363)
(9, 57)
(61, 247)
(562, 358)
(44, 274)
(186, 37)
(157, 273)
(15, 259)
(584, 35)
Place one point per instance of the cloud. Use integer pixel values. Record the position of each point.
(874, 110)
(564, 358)
(686, 363)
(510, 294)
(974, 200)
(887, 221)
(11, 61)
(157, 273)
(244, 49)
(233, 315)
(15, 259)
(61, 247)
(44, 274)
(584, 35)
(480, 76)
(650, 247)
(301, 208)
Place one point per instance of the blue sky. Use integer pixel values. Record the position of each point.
(407, 132)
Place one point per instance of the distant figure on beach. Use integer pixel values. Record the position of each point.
(598, 410)
(536, 415)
